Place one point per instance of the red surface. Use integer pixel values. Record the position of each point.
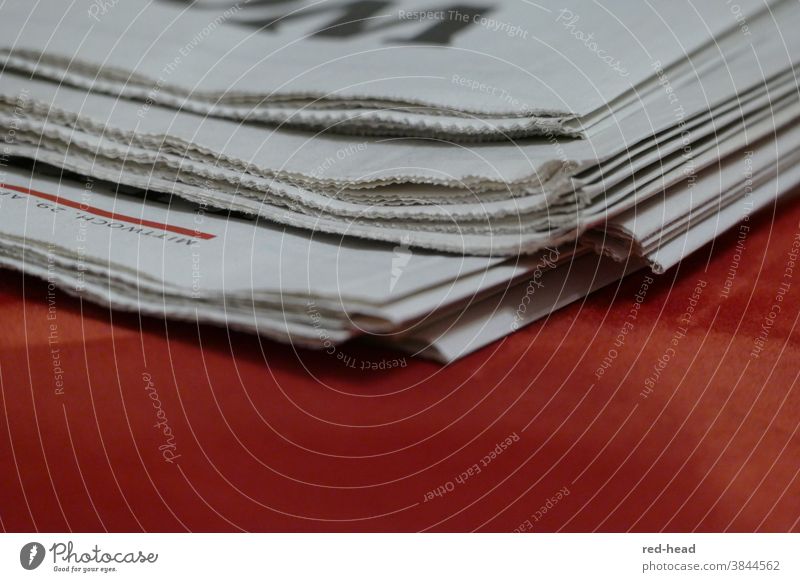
(272, 440)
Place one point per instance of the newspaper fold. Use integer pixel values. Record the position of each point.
(466, 70)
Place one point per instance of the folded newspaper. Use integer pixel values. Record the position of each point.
(318, 171)
(486, 69)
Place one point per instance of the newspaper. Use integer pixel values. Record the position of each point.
(443, 322)
(665, 230)
(526, 223)
(751, 181)
(369, 162)
(216, 153)
(467, 69)
(496, 317)
(188, 262)
(402, 215)
(167, 257)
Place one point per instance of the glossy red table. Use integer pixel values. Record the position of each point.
(111, 422)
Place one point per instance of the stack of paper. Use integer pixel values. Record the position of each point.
(392, 168)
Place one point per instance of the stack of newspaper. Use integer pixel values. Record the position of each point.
(429, 175)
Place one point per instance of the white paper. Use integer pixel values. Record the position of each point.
(537, 62)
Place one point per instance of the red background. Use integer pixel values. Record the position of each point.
(273, 439)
